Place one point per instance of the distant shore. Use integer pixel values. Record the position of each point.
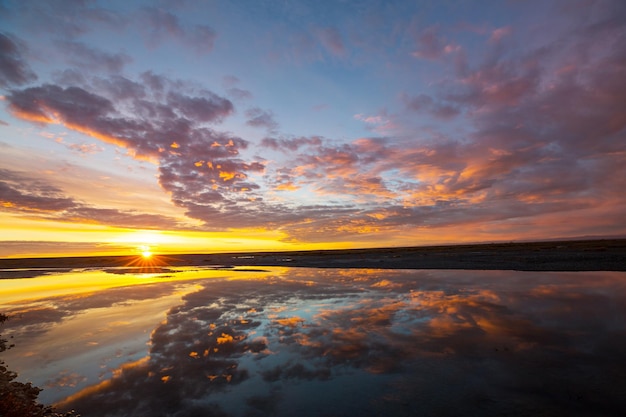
(579, 255)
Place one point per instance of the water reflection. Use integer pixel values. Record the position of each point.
(331, 342)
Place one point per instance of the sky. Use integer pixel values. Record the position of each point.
(207, 126)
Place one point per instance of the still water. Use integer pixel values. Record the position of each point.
(319, 342)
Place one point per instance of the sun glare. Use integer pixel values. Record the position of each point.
(145, 251)
(146, 261)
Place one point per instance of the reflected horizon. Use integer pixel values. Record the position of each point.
(286, 341)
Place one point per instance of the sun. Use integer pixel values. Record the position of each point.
(147, 262)
(145, 251)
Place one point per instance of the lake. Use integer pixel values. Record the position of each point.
(199, 341)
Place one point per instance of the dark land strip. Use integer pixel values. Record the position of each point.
(579, 255)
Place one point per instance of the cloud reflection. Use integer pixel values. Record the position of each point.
(371, 342)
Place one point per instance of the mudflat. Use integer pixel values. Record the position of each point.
(578, 255)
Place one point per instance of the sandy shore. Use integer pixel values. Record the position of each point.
(590, 255)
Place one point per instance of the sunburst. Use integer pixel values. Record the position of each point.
(147, 261)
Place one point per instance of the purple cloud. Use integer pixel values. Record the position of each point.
(291, 144)
(200, 167)
(208, 108)
(261, 118)
(172, 120)
(13, 69)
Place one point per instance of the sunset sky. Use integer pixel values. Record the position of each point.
(203, 126)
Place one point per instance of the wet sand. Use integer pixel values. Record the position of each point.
(580, 255)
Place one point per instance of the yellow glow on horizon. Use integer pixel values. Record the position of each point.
(22, 237)
(34, 237)
(153, 237)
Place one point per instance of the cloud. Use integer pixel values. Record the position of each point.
(239, 93)
(332, 41)
(433, 46)
(423, 103)
(290, 144)
(504, 136)
(160, 25)
(168, 122)
(261, 118)
(83, 148)
(90, 58)
(500, 33)
(165, 125)
(14, 71)
(382, 122)
(23, 194)
(65, 18)
(201, 38)
(306, 43)
(230, 82)
(208, 108)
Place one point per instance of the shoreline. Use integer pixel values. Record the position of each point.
(576, 255)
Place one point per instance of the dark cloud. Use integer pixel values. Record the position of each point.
(14, 71)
